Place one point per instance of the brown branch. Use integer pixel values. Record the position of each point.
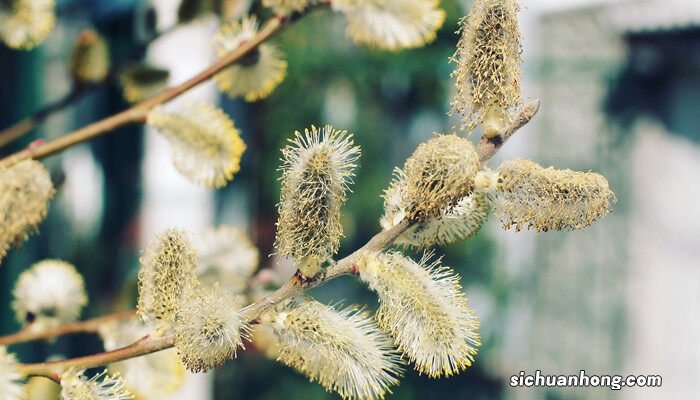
(138, 112)
(89, 326)
(489, 146)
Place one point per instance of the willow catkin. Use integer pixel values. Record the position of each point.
(49, 294)
(25, 192)
(488, 57)
(438, 175)
(343, 350)
(449, 226)
(228, 256)
(317, 172)
(11, 387)
(425, 310)
(528, 195)
(209, 329)
(391, 24)
(24, 24)
(76, 386)
(89, 62)
(141, 81)
(166, 277)
(205, 145)
(255, 76)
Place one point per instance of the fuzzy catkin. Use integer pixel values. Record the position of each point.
(488, 57)
(49, 294)
(209, 329)
(75, 386)
(141, 81)
(89, 62)
(343, 350)
(166, 277)
(425, 310)
(206, 147)
(228, 256)
(317, 171)
(439, 173)
(25, 192)
(11, 387)
(391, 24)
(528, 195)
(24, 24)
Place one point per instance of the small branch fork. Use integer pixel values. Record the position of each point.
(296, 285)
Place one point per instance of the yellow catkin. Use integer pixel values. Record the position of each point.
(255, 76)
(528, 195)
(488, 57)
(24, 24)
(317, 171)
(141, 81)
(209, 329)
(11, 387)
(438, 174)
(89, 62)
(226, 255)
(76, 386)
(166, 277)
(425, 310)
(286, 7)
(392, 24)
(343, 350)
(205, 145)
(25, 192)
(449, 226)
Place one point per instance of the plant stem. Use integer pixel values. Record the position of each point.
(138, 112)
(489, 146)
(89, 326)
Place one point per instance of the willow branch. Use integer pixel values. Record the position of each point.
(489, 146)
(89, 326)
(138, 112)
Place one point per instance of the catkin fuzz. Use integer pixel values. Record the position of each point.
(76, 386)
(438, 175)
(341, 349)
(206, 146)
(24, 24)
(488, 57)
(425, 310)
(25, 192)
(316, 174)
(226, 255)
(141, 81)
(166, 277)
(11, 387)
(528, 195)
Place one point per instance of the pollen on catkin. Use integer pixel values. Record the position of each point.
(425, 310)
(153, 376)
(11, 387)
(488, 57)
(205, 145)
(49, 294)
(255, 76)
(462, 221)
(392, 24)
(341, 349)
(528, 195)
(438, 175)
(286, 7)
(317, 171)
(141, 81)
(26, 23)
(227, 256)
(89, 62)
(209, 329)
(75, 386)
(166, 277)
(25, 192)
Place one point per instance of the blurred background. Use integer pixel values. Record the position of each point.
(620, 90)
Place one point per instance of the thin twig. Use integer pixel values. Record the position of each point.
(89, 326)
(489, 146)
(138, 112)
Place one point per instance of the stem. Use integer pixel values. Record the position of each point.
(89, 326)
(488, 146)
(138, 112)
(26, 125)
